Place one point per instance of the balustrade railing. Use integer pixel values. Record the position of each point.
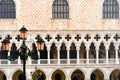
(3, 61)
(60, 62)
(63, 61)
(82, 61)
(111, 61)
(14, 62)
(73, 61)
(102, 61)
(92, 61)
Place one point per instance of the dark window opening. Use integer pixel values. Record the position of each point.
(60, 9)
(7, 9)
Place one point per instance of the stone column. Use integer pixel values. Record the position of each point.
(78, 59)
(68, 59)
(107, 55)
(87, 77)
(8, 52)
(116, 56)
(9, 48)
(97, 56)
(106, 77)
(48, 50)
(87, 61)
(58, 56)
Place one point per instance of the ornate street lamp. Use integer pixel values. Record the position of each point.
(23, 50)
(5, 44)
(23, 32)
(40, 44)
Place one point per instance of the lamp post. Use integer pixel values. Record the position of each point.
(23, 51)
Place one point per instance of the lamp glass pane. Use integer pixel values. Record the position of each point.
(23, 34)
(7, 46)
(39, 45)
(3, 46)
(42, 45)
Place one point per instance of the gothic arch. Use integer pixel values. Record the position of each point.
(82, 70)
(73, 51)
(53, 51)
(115, 74)
(83, 42)
(3, 75)
(113, 70)
(63, 51)
(16, 75)
(37, 73)
(102, 52)
(111, 51)
(34, 52)
(82, 51)
(60, 73)
(92, 51)
(97, 75)
(13, 51)
(78, 74)
(100, 70)
(95, 43)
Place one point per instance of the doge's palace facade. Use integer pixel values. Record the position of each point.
(82, 39)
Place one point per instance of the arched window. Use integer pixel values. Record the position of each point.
(102, 52)
(60, 9)
(34, 52)
(110, 9)
(73, 51)
(82, 53)
(97, 75)
(58, 75)
(63, 51)
(92, 51)
(111, 51)
(43, 53)
(7, 9)
(53, 51)
(13, 52)
(77, 75)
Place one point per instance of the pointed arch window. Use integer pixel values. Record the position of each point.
(43, 53)
(92, 51)
(82, 54)
(7, 9)
(53, 51)
(60, 9)
(102, 52)
(63, 51)
(110, 9)
(13, 52)
(73, 51)
(34, 52)
(111, 51)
